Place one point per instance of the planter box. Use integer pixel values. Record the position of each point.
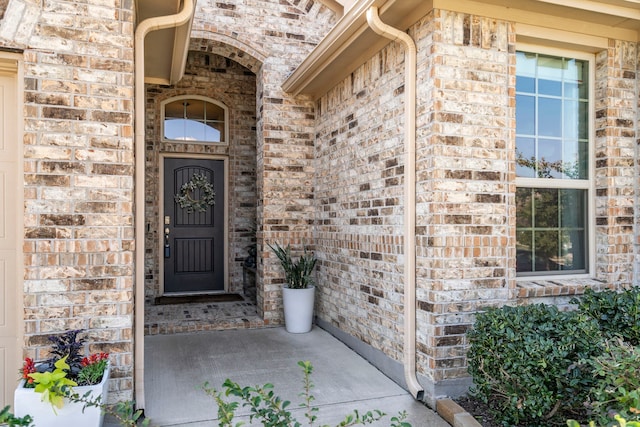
(28, 402)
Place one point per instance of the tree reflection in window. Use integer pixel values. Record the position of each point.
(194, 120)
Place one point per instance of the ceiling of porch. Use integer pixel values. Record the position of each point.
(165, 50)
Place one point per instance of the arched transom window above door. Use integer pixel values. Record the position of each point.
(194, 119)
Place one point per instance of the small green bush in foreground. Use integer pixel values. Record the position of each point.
(265, 406)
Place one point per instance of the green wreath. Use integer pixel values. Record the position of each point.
(185, 199)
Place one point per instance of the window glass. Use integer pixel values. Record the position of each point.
(194, 120)
(551, 230)
(552, 151)
(552, 103)
(550, 117)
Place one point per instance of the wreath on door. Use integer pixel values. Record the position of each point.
(185, 197)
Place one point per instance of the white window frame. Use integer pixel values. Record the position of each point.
(588, 184)
(200, 98)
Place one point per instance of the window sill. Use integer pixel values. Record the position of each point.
(558, 287)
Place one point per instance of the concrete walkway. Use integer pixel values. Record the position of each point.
(176, 366)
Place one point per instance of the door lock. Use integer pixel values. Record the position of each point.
(167, 248)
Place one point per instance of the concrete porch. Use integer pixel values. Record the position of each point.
(177, 365)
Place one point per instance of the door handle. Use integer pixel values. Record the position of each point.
(167, 248)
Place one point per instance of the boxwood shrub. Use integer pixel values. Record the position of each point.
(524, 362)
(617, 313)
(617, 387)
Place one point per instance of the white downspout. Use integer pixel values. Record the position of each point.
(144, 28)
(409, 196)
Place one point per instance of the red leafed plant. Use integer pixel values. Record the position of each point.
(29, 367)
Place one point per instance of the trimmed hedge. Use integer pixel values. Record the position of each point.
(617, 313)
(524, 362)
(537, 366)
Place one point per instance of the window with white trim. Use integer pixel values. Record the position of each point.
(194, 119)
(553, 158)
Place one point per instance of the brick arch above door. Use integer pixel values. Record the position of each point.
(228, 47)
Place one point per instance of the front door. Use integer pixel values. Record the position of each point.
(193, 226)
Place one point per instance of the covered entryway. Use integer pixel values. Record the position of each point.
(201, 149)
(11, 208)
(195, 244)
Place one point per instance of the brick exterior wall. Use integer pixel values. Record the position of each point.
(78, 182)
(616, 161)
(465, 190)
(358, 190)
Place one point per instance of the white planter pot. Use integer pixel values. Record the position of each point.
(298, 309)
(27, 402)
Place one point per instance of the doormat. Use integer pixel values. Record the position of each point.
(188, 299)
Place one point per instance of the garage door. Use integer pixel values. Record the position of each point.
(10, 202)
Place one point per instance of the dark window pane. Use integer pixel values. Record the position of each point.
(574, 250)
(524, 251)
(583, 120)
(583, 164)
(546, 207)
(524, 207)
(573, 208)
(546, 250)
(554, 238)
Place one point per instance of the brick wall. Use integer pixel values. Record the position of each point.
(616, 161)
(78, 183)
(466, 170)
(465, 191)
(358, 190)
(464, 156)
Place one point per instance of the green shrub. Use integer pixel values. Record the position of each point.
(619, 422)
(271, 410)
(524, 362)
(8, 419)
(617, 386)
(617, 313)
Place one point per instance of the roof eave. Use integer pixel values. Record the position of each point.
(351, 42)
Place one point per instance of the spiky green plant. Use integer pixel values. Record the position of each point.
(297, 272)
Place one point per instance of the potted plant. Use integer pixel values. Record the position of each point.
(298, 292)
(67, 388)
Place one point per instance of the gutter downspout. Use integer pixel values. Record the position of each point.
(144, 28)
(373, 19)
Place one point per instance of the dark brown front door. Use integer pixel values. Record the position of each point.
(194, 232)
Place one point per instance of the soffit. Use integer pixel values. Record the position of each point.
(351, 42)
(165, 50)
